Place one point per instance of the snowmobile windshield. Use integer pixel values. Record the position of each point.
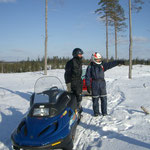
(47, 89)
(47, 82)
(49, 98)
(49, 103)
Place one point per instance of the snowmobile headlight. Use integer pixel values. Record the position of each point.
(41, 112)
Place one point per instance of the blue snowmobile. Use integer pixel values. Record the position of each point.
(52, 118)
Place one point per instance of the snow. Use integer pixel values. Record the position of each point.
(126, 126)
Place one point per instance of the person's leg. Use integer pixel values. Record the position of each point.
(95, 100)
(79, 99)
(95, 97)
(103, 97)
(104, 105)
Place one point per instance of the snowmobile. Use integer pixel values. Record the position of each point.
(52, 118)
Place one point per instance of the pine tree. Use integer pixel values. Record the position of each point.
(103, 11)
(113, 15)
(117, 20)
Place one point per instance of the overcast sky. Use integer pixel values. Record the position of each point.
(71, 24)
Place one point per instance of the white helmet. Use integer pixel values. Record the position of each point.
(96, 58)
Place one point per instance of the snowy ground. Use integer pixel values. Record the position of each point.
(126, 126)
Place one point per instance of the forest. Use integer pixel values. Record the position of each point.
(52, 63)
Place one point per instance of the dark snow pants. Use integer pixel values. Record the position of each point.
(99, 91)
(103, 105)
(76, 88)
(79, 99)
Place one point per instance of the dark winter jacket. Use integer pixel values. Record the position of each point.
(73, 73)
(96, 72)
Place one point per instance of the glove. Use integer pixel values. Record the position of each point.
(89, 89)
(68, 87)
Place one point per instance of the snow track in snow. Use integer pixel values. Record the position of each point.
(93, 130)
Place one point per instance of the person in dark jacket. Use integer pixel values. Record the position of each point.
(95, 71)
(73, 73)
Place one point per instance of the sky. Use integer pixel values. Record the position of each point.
(71, 24)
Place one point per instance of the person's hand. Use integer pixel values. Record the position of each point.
(68, 87)
(89, 89)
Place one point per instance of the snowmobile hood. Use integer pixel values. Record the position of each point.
(41, 131)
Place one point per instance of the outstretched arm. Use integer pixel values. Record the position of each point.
(112, 64)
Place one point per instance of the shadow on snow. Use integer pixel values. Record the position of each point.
(8, 124)
(26, 96)
(111, 134)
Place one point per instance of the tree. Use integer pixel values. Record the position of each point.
(103, 12)
(130, 41)
(45, 67)
(113, 14)
(137, 6)
(117, 20)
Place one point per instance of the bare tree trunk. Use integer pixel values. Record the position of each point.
(130, 44)
(45, 68)
(106, 37)
(2, 68)
(116, 57)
